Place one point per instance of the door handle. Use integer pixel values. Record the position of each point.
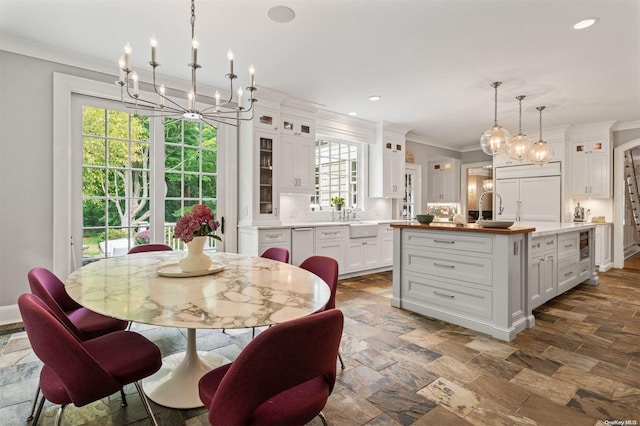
(222, 225)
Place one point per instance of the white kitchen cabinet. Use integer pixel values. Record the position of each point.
(529, 199)
(253, 241)
(386, 163)
(362, 253)
(603, 247)
(568, 259)
(302, 244)
(298, 126)
(591, 169)
(258, 192)
(385, 234)
(297, 157)
(543, 270)
(444, 181)
(331, 241)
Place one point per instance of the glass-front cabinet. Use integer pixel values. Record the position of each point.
(266, 194)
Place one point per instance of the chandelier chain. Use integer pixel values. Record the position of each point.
(495, 102)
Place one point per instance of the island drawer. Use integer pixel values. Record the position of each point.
(445, 240)
(443, 294)
(448, 264)
(540, 245)
(569, 246)
(331, 232)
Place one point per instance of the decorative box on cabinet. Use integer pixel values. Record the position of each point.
(298, 126)
(259, 195)
(444, 178)
(386, 162)
(591, 169)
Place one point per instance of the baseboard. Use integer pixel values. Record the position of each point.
(9, 315)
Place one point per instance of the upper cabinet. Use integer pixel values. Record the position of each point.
(297, 154)
(444, 181)
(259, 195)
(591, 169)
(386, 162)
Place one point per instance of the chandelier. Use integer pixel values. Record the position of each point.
(226, 111)
(541, 152)
(495, 140)
(520, 145)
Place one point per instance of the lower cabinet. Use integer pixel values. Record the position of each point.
(386, 244)
(331, 241)
(254, 241)
(543, 271)
(362, 253)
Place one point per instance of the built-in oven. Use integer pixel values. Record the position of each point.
(584, 245)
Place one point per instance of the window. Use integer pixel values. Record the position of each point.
(115, 180)
(117, 162)
(336, 173)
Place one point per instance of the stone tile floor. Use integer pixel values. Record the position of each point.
(580, 365)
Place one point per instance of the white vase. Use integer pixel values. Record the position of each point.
(196, 260)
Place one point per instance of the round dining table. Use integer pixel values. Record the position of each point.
(243, 292)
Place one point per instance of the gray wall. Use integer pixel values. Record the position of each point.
(623, 136)
(26, 168)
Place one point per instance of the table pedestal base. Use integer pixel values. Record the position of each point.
(175, 385)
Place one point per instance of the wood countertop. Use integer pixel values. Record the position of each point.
(469, 227)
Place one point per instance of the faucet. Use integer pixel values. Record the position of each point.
(500, 208)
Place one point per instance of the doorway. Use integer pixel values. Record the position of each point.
(477, 178)
(619, 194)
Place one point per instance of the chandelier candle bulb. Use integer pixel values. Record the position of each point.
(230, 57)
(154, 47)
(162, 92)
(127, 56)
(194, 51)
(190, 101)
(252, 72)
(134, 76)
(240, 98)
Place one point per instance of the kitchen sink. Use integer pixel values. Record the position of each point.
(363, 229)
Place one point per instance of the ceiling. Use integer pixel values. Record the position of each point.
(432, 61)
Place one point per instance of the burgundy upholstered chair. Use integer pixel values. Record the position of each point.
(283, 377)
(280, 254)
(82, 322)
(143, 248)
(327, 269)
(83, 372)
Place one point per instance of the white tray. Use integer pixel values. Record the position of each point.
(173, 270)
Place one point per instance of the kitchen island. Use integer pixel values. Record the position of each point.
(478, 277)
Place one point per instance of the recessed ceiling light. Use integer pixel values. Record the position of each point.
(585, 23)
(375, 97)
(353, 113)
(281, 14)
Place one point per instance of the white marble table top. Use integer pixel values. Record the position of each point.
(248, 292)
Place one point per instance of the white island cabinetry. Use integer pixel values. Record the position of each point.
(468, 276)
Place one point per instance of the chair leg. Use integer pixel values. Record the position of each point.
(36, 417)
(323, 418)
(146, 404)
(59, 415)
(35, 402)
(340, 358)
(124, 398)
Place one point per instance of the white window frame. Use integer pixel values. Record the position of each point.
(67, 244)
(360, 172)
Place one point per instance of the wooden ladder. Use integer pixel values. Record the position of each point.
(631, 177)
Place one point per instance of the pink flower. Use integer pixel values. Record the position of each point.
(198, 222)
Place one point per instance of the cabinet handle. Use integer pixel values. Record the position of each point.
(566, 274)
(537, 245)
(442, 265)
(568, 246)
(444, 241)
(272, 236)
(364, 243)
(585, 190)
(330, 233)
(549, 243)
(437, 293)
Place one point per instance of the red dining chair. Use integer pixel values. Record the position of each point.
(81, 372)
(251, 391)
(143, 248)
(280, 254)
(327, 269)
(82, 322)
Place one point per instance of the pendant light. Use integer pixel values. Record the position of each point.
(520, 145)
(542, 151)
(495, 140)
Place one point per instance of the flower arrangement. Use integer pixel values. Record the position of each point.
(142, 237)
(199, 222)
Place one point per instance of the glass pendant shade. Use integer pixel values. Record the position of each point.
(541, 152)
(519, 146)
(495, 140)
